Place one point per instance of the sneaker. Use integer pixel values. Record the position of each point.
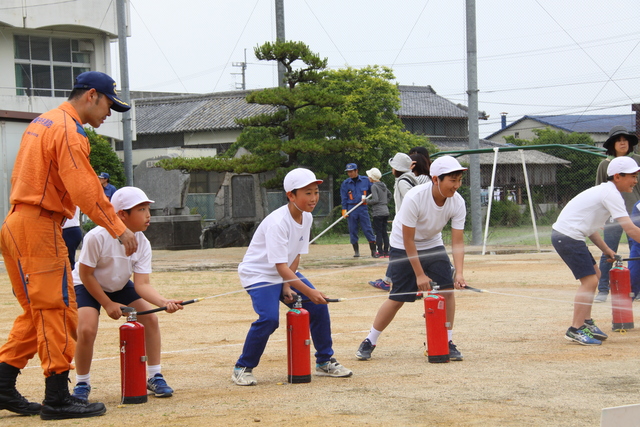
(243, 376)
(332, 368)
(81, 391)
(159, 386)
(454, 354)
(601, 297)
(365, 350)
(595, 331)
(380, 284)
(582, 336)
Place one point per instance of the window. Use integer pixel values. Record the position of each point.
(47, 66)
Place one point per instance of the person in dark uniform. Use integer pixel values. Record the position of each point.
(353, 191)
(109, 188)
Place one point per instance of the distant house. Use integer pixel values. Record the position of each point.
(596, 126)
(43, 47)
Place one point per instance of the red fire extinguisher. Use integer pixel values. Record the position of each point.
(435, 313)
(621, 297)
(298, 344)
(133, 360)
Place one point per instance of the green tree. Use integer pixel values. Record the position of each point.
(104, 159)
(321, 119)
(581, 173)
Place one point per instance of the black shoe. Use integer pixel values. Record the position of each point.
(59, 404)
(356, 250)
(374, 252)
(10, 398)
(365, 350)
(454, 354)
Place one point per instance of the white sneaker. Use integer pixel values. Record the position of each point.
(243, 376)
(332, 368)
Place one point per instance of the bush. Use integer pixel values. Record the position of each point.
(505, 213)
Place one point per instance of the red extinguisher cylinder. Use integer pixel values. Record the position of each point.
(298, 345)
(621, 298)
(133, 369)
(435, 314)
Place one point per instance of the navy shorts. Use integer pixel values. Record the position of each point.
(575, 254)
(124, 296)
(435, 263)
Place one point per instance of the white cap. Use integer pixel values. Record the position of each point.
(374, 173)
(445, 164)
(128, 197)
(622, 164)
(299, 178)
(401, 162)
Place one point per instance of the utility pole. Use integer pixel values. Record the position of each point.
(474, 138)
(280, 37)
(124, 85)
(243, 65)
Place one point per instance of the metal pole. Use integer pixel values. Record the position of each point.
(124, 88)
(472, 92)
(490, 200)
(530, 196)
(280, 37)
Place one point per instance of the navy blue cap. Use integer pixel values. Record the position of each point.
(351, 167)
(104, 175)
(103, 84)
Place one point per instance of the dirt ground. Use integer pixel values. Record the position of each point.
(518, 370)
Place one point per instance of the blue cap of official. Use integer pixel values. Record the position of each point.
(104, 84)
(351, 167)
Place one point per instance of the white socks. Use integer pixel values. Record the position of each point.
(373, 335)
(83, 379)
(152, 370)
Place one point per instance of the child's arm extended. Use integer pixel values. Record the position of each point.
(290, 279)
(150, 294)
(457, 249)
(93, 287)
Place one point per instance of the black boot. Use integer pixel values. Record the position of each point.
(59, 404)
(356, 250)
(374, 253)
(10, 398)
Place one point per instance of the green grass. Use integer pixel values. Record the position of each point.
(498, 236)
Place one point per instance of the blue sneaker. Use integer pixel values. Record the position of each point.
(582, 336)
(81, 391)
(159, 386)
(595, 331)
(380, 284)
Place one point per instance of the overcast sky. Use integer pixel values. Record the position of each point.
(535, 57)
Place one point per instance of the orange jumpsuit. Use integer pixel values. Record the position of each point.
(51, 175)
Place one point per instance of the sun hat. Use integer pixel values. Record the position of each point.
(445, 164)
(622, 164)
(615, 132)
(128, 197)
(374, 173)
(299, 178)
(401, 162)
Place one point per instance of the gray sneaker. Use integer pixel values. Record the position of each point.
(332, 368)
(243, 376)
(601, 297)
(365, 349)
(454, 353)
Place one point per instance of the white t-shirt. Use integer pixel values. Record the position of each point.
(421, 212)
(277, 240)
(113, 268)
(73, 222)
(588, 211)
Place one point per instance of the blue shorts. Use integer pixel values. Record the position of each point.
(575, 254)
(435, 263)
(124, 296)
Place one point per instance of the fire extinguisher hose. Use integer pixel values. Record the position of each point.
(155, 310)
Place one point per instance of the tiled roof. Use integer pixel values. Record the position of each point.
(422, 101)
(588, 123)
(195, 113)
(217, 111)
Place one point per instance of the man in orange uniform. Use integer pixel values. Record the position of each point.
(52, 175)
